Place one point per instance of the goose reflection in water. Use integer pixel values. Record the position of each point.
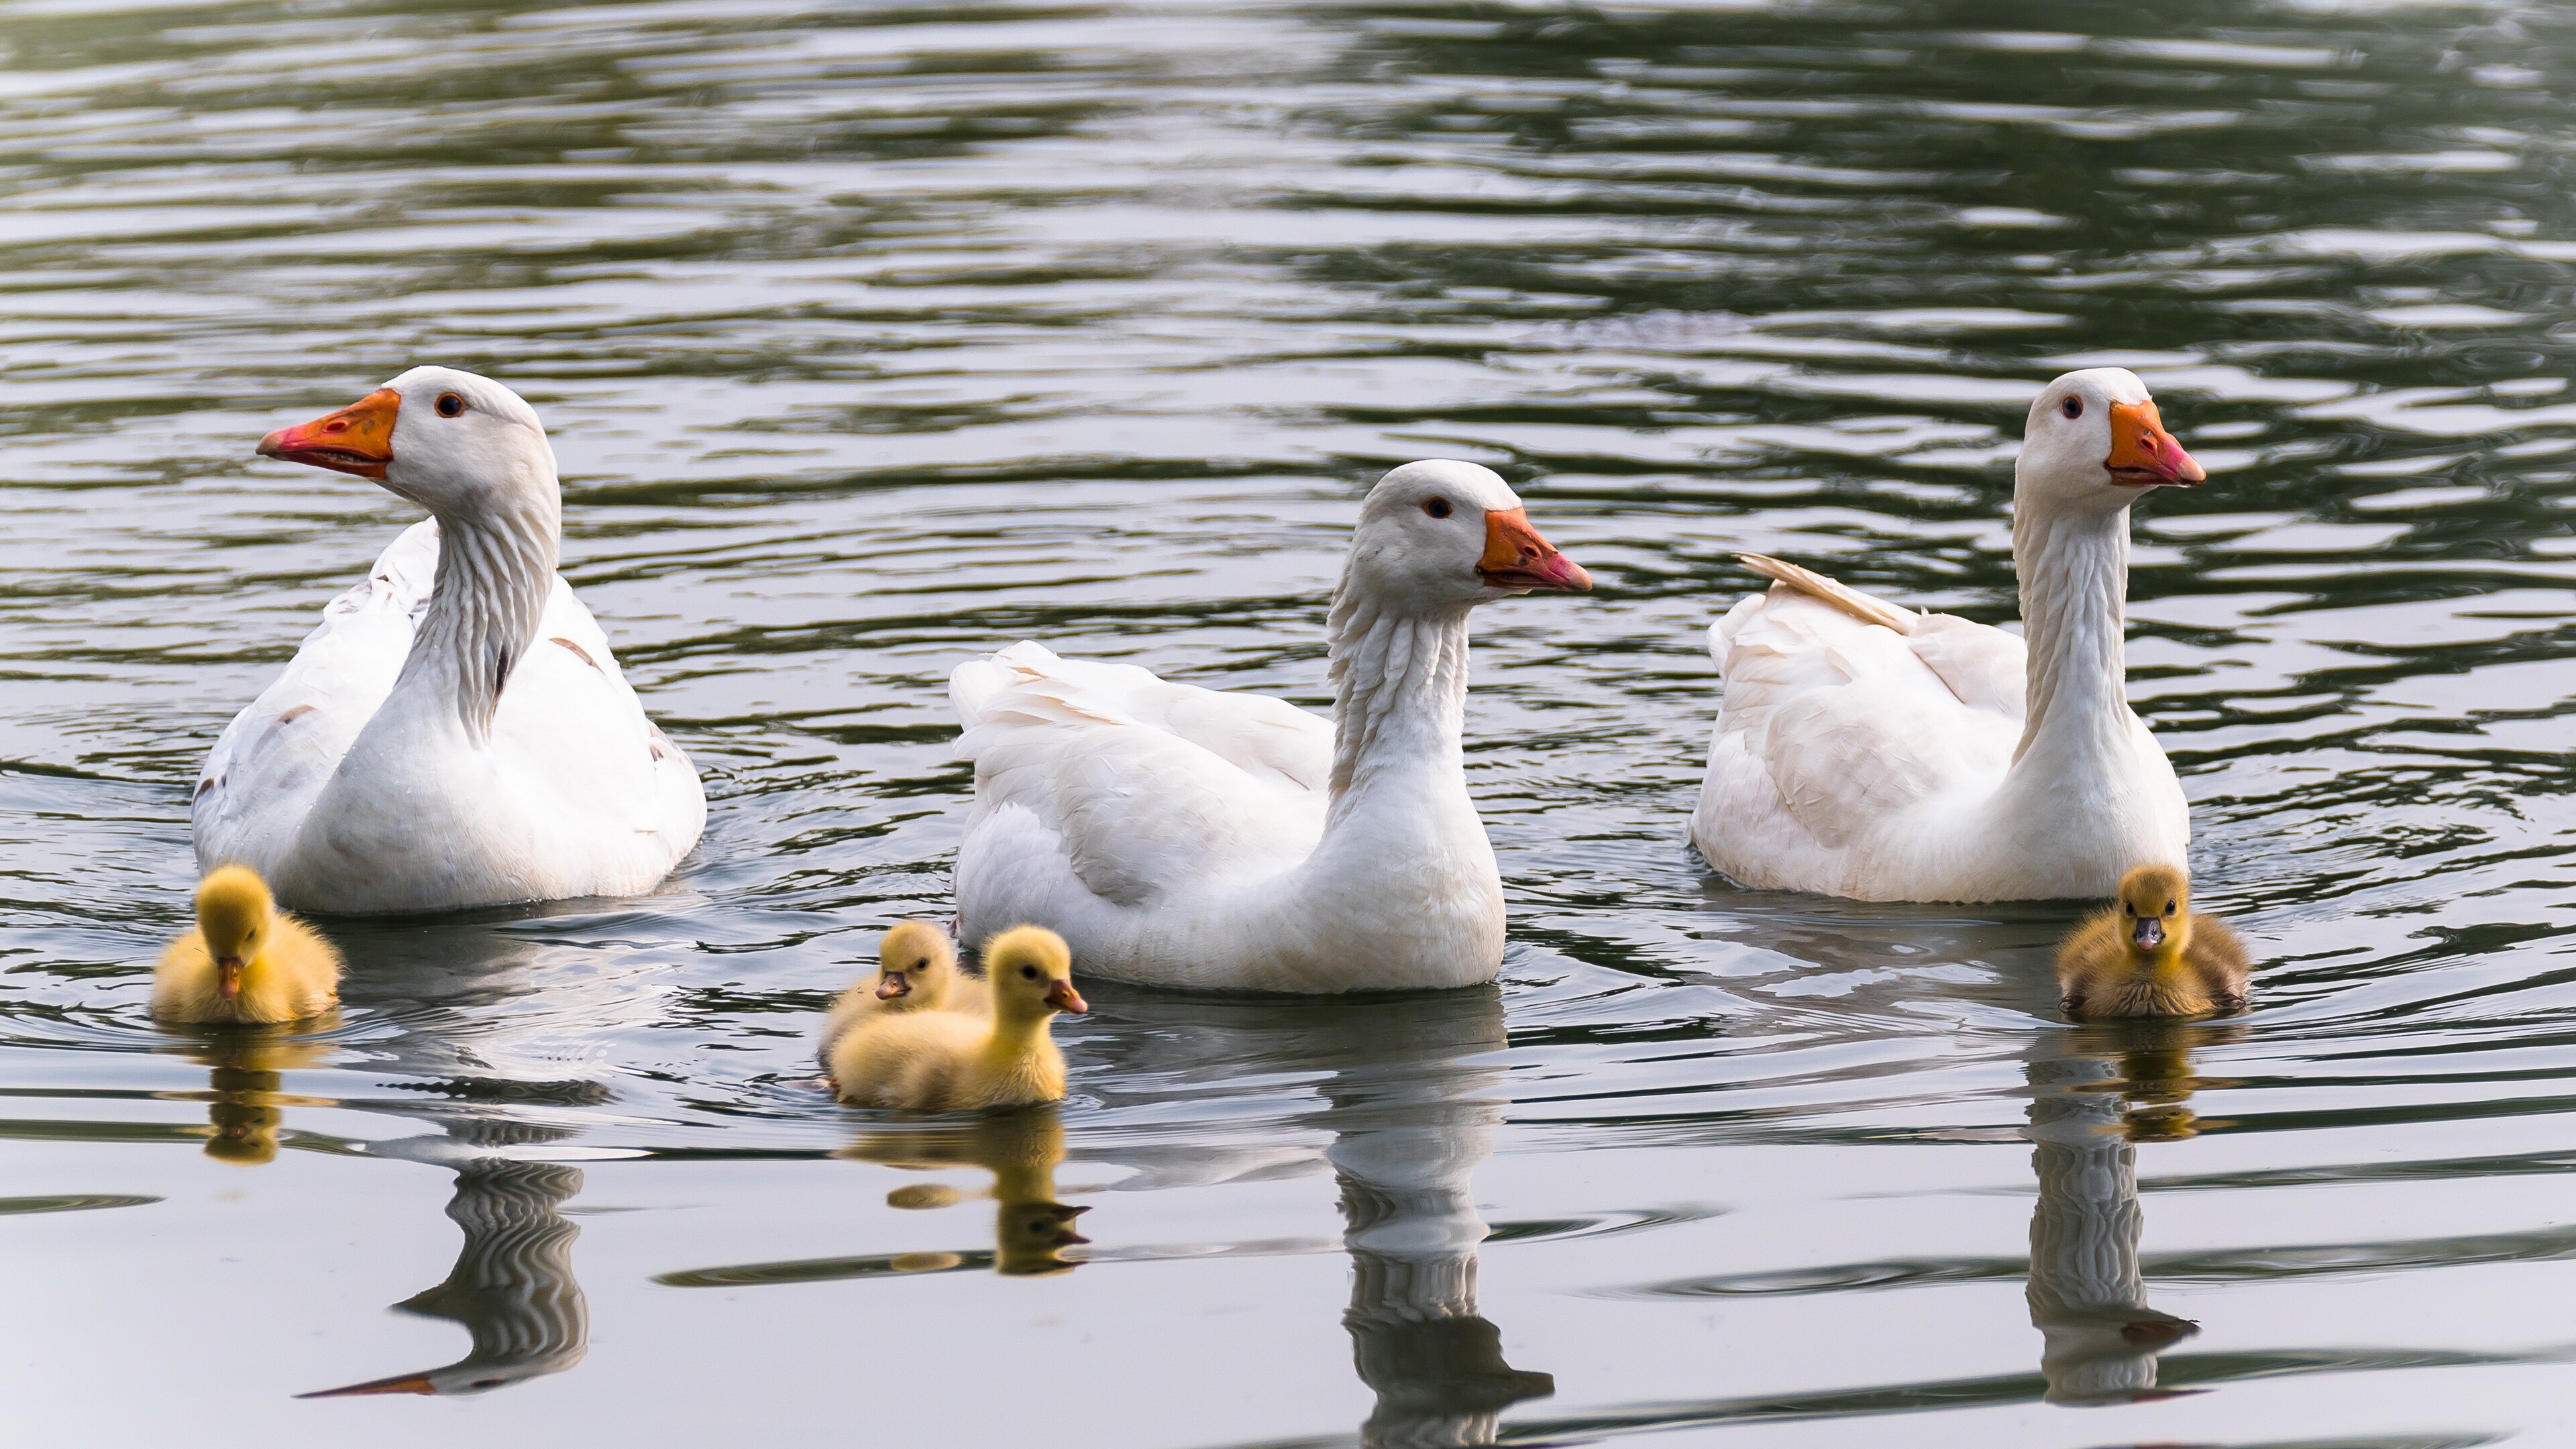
(512, 1288)
(2087, 1297)
(1410, 1125)
(1410, 1116)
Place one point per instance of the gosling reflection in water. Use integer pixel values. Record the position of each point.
(245, 1083)
(1021, 1149)
(512, 1289)
(2087, 1296)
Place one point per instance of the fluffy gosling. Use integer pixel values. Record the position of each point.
(948, 1061)
(2150, 956)
(247, 961)
(916, 971)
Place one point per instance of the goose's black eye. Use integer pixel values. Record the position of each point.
(2073, 407)
(1028, 973)
(921, 965)
(1437, 508)
(2169, 908)
(450, 405)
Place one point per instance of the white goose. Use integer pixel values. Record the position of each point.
(1186, 837)
(456, 732)
(1867, 751)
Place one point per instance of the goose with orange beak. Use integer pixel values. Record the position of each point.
(1871, 751)
(456, 732)
(1193, 838)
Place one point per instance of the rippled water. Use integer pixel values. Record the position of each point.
(878, 335)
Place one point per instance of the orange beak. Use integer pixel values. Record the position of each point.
(2143, 454)
(1063, 997)
(892, 985)
(357, 439)
(1517, 558)
(228, 970)
(398, 1384)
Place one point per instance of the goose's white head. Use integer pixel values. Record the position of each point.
(450, 441)
(2095, 439)
(1447, 534)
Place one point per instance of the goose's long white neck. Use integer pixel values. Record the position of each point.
(2073, 566)
(495, 568)
(1399, 696)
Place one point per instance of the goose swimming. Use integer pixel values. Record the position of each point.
(1869, 751)
(1191, 837)
(456, 731)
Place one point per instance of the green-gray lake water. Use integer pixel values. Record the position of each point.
(874, 336)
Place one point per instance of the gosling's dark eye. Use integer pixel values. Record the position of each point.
(450, 405)
(1028, 973)
(921, 965)
(2127, 910)
(2169, 908)
(1437, 508)
(2073, 407)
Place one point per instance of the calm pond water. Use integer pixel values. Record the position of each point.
(874, 336)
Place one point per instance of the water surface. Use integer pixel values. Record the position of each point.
(874, 336)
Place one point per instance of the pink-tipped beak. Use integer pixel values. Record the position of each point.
(228, 974)
(1516, 557)
(1063, 997)
(2149, 933)
(891, 986)
(358, 439)
(2143, 454)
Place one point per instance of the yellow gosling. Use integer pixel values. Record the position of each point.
(247, 961)
(916, 971)
(948, 1061)
(2150, 956)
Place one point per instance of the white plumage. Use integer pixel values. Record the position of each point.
(456, 731)
(1870, 752)
(1191, 837)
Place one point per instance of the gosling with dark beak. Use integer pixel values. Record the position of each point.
(2149, 955)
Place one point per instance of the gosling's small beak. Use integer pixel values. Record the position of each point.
(357, 439)
(398, 1384)
(2149, 933)
(1065, 1236)
(892, 985)
(228, 972)
(1063, 997)
(1517, 558)
(2143, 454)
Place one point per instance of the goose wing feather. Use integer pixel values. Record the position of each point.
(271, 762)
(1831, 726)
(1132, 784)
